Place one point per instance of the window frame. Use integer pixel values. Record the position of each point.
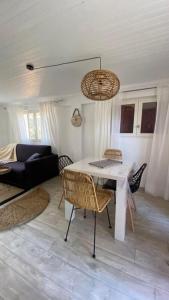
(138, 102)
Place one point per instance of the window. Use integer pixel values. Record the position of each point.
(138, 116)
(127, 118)
(33, 121)
(148, 117)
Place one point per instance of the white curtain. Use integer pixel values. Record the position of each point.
(157, 182)
(18, 129)
(49, 124)
(103, 114)
(116, 113)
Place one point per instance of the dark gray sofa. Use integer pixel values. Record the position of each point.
(26, 174)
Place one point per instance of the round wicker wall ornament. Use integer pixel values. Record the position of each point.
(100, 85)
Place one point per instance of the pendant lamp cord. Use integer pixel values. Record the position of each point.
(31, 66)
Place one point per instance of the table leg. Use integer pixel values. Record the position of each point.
(68, 210)
(121, 207)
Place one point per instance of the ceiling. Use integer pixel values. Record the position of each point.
(131, 36)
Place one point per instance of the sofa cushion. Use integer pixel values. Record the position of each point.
(24, 151)
(34, 156)
(17, 166)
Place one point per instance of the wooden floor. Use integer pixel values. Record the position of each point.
(36, 263)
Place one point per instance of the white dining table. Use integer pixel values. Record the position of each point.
(117, 171)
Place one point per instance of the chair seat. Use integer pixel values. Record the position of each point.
(110, 184)
(103, 198)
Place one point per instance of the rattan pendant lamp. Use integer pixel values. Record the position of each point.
(98, 85)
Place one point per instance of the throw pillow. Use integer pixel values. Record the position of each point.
(33, 156)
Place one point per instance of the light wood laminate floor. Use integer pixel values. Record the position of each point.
(36, 263)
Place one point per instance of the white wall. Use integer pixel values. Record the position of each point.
(4, 126)
(70, 137)
(78, 142)
(88, 130)
(136, 149)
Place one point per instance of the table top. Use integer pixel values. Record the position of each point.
(116, 171)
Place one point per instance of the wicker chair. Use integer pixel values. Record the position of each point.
(134, 184)
(64, 161)
(79, 190)
(113, 154)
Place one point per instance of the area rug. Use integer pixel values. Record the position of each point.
(7, 191)
(23, 209)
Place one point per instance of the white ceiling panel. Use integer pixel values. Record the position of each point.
(131, 36)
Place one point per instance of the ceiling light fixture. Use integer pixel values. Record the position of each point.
(98, 85)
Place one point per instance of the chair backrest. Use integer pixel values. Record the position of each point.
(135, 180)
(79, 189)
(113, 154)
(64, 161)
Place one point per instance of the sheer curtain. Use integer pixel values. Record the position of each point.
(115, 125)
(107, 125)
(49, 124)
(18, 129)
(157, 182)
(103, 111)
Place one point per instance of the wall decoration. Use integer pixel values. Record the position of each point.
(76, 119)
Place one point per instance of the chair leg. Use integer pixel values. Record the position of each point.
(61, 200)
(84, 216)
(108, 217)
(133, 201)
(69, 224)
(94, 245)
(131, 215)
